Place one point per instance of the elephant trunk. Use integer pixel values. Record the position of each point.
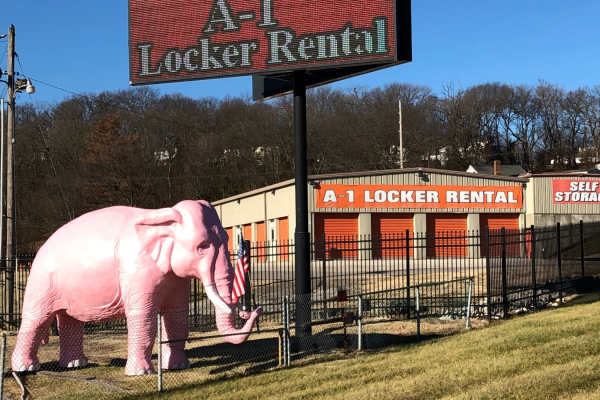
(225, 309)
(225, 321)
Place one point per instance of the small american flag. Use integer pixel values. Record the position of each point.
(242, 266)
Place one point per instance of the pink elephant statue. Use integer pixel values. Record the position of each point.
(128, 262)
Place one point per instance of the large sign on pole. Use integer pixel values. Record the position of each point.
(287, 45)
(174, 40)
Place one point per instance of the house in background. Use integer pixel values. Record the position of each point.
(497, 169)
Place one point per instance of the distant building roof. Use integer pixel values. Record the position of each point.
(506, 170)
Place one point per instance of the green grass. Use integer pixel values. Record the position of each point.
(553, 354)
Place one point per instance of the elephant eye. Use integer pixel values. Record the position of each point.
(204, 245)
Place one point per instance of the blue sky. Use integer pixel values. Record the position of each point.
(81, 47)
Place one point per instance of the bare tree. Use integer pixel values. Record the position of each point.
(591, 129)
(548, 101)
(519, 120)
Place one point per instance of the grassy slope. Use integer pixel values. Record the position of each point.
(546, 355)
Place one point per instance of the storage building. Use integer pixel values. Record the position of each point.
(567, 197)
(374, 203)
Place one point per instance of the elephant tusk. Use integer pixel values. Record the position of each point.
(214, 297)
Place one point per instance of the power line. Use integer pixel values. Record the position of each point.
(42, 82)
(54, 86)
(19, 61)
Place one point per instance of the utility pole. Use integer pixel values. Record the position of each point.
(2, 186)
(1, 182)
(400, 133)
(10, 212)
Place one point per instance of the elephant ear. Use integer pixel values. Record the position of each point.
(156, 236)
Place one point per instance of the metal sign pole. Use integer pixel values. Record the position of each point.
(247, 303)
(301, 236)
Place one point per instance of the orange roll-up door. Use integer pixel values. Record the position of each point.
(495, 222)
(389, 235)
(284, 238)
(446, 235)
(247, 232)
(229, 239)
(340, 232)
(259, 242)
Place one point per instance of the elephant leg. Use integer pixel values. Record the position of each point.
(175, 327)
(141, 330)
(32, 332)
(71, 341)
(37, 316)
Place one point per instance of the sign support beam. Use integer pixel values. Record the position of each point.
(301, 236)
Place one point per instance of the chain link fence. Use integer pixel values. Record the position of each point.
(338, 326)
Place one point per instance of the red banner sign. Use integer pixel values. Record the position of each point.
(576, 191)
(172, 40)
(425, 196)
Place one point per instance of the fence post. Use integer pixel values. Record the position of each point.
(581, 248)
(10, 285)
(289, 335)
(159, 350)
(469, 303)
(247, 301)
(196, 302)
(360, 323)
(285, 330)
(3, 356)
(504, 279)
(280, 352)
(487, 276)
(559, 261)
(324, 278)
(418, 315)
(407, 274)
(533, 272)
(3, 292)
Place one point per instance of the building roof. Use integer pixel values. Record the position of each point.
(505, 169)
(313, 178)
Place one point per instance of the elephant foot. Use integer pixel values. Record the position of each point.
(74, 362)
(175, 360)
(138, 367)
(29, 364)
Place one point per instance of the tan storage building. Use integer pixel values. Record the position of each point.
(562, 197)
(419, 200)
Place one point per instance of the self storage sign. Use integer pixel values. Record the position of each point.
(430, 196)
(173, 40)
(576, 191)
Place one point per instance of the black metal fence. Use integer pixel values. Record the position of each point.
(367, 264)
(509, 269)
(531, 268)
(13, 279)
